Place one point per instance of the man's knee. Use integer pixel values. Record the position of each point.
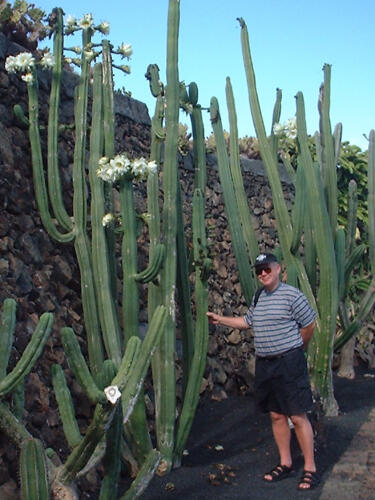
(300, 420)
(278, 417)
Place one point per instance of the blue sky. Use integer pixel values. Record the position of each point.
(290, 41)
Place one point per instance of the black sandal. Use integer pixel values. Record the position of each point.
(309, 478)
(278, 473)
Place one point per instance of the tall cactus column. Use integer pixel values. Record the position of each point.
(327, 293)
(100, 259)
(166, 405)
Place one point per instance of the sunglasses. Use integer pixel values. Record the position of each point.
(259, 271)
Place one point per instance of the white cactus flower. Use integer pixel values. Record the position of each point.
(27, 77)
(108, 219)
(112, 393)
(125, 50)
(152, 167)
(25, 61)
(22, 62)
(47, 61)
(139, 167)
(86, 22)
(291, 128)
(11, 64)
(104, 27)
(89, 55)
(103, 161)
(71, 21)
(278, 129)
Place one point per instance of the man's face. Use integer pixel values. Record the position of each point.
(268, 275)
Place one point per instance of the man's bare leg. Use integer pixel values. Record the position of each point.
(281, 434)
(305, 437)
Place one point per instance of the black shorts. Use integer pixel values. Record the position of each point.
(282, 383)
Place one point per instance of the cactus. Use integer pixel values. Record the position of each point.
(29, 356)
(194, 334)
(34, 476)
(314, 215)
(95, 248)
(65, 404)
(238, 242)
(235, 169)
(7, 326)
(165, 401)
(144, 476)
(129, 380)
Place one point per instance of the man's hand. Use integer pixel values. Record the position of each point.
(213, 318)
(307, 333)
(230, 321)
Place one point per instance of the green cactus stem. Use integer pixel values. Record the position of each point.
(352, 217)
(144, 476)
(274, 139)
(40, 188)
(299, 210)
(66, 408)
(79, 367)
(81, 241)
(109, 151)
(81, 454)
(137, 427)
(76, 231)
(328, 153)
(29, 356)
(231, 206)
(12, 427)
(340, 261)
(327, 293)
(153, 269)
(34, 474)
(139, 370)
(130, 306)
(183, 293)
(270, 161)
(201, 329)
(131, 382)
(367, 301)
(112, 456)
(165, 403)
(7, 327)
(284, 225)
(54, 183)
(100, 258)
(18, 400)
(235, 169)
(19, 116)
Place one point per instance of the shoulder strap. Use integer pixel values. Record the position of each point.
(257, 295)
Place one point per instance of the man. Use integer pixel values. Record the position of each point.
(283, 324)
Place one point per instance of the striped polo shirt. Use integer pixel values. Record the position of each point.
(277, 319)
